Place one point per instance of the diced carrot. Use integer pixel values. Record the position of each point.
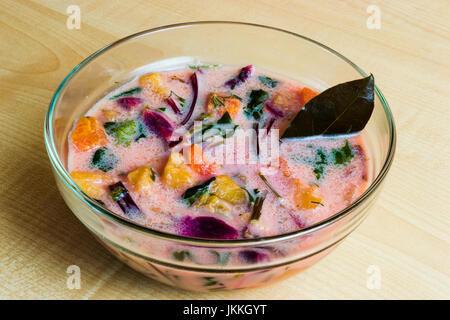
(306, 196)
(223, 103)
(88, 134)
(232, 105)
(198, 162)
(308, 94)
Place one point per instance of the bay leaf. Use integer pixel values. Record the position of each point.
(344, 108)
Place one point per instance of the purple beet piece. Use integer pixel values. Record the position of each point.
(243, 75)
(120, 195)
(128, 102)
(207, 227)
(252, 256)
(194, 83)
(157, 123)
(273, 110)
(232, 83)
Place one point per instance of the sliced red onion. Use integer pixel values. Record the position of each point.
(128, 102)
(173, 105)
(194, 83)
(300, 224)
(207, 227)
(273, 110)
(270, 124)
(158, 123)
(120, 195)
(175, 142)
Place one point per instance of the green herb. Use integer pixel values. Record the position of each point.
(268, 82)
(152, 175)
(162, 109)
(322, 157)
(233, 96)
(320, 163)
(222, 258)
(251, 195)
(256, 212)
(193, 194)
(225, 119)
(203, 116)
(127, 93)
(182, 255)
(181, 100)
(118, 193)
(204, 66)
(343, 155)
(255, 106)
(142, 131)
(318, 171)
(344, 108)
(124, 132)
(104, 159)
(276, 194)
(219, 101)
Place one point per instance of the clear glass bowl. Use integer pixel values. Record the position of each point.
(231, 43)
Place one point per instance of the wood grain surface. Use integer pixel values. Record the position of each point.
(406, 235)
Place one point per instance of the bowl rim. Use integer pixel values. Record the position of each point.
(65, 176)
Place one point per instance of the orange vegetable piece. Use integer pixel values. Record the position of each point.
(88, 134)
(177, 174)
(153, 82)
(198, 162)
(111, 115)
(93, 184)
(142, 178)
(308, 94)
(232, 105)
(225, 188)
(306, 196)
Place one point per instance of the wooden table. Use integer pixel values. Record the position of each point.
(406, 237)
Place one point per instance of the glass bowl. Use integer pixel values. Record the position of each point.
(159, 255)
